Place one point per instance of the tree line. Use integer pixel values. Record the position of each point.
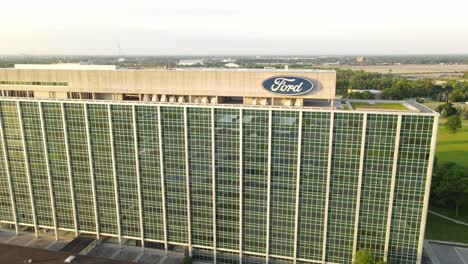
(398, 88)
(449, 187)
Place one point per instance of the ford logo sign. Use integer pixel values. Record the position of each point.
(288, 85)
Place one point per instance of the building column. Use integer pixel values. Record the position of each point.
(298, 185)
(327, 192)
(7, 172)
(427, 192)
(392, 187)
(91, 172)
(28, 173)
(114, 174)
(161, 167)
(69, 168)
(359, 185)
(267, 250)
(241, 186)
(213, 179)
(138, 177)
(49, 176)
(187, 183)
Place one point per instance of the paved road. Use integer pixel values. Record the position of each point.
(448, 218)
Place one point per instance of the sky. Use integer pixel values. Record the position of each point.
(235, 27)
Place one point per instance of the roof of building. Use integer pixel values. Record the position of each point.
(200, 69)
(251, 70)
(382, 106)
(64, 66)
(370, 90)
(190, 62)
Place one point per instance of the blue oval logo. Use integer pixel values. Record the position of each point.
(288, 85)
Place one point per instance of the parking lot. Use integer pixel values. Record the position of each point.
(47, 245)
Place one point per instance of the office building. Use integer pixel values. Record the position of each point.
(231, 165)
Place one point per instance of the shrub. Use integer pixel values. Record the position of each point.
(453, 123)
(362, 257)
(187, 260)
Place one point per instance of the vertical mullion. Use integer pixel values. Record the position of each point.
(69, 168)
(161, 167)
(241, 187)
(213, 179)
(359, 186)
(298, 182)
(91, 171)
(28, 174)
(187, 181)
(114, 173)
(138, 176)
(7, 171)
(392, 187)
(327, 192)
(47, 164)
(427, 188)
(267, 250)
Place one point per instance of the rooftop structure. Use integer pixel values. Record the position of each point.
(64, 66)
(190, 62)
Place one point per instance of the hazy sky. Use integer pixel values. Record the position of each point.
(233, 27)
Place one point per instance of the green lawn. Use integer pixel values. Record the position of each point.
(452, 147)
(438, 228)
(388, 106)
(463, 212)
(432, 105)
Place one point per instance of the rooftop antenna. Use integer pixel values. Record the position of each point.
(119, 53)
(119, 50)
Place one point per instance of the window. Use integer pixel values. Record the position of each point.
(37, 83)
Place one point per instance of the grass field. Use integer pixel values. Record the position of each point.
(388, 106)
(438, 228)
(462, 214)
(452, 147)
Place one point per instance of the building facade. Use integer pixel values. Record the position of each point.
(230, 183)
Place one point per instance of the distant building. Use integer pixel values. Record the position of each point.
(231, 65)
(228, 60)
(190, 62)
(440, 82)
(361, 59)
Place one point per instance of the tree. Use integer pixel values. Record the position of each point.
(354, 95)
(367, 95)
(447, 109)
(363, 257)
(446, 92)
(436, 92)
(187, 260)
(453, 123)
(451, 185)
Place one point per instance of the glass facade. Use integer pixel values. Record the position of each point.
(315, 139)
(344, 177)
(255, 139)
(258, 147)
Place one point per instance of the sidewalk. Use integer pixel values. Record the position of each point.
(448, 218)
